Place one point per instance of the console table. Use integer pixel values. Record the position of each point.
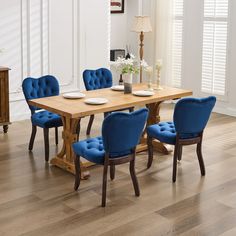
(4, 98)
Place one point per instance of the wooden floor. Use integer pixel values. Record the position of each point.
(38, 199)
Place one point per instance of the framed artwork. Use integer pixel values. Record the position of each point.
(117, 6)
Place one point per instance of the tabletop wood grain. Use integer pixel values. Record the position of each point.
(75, 108)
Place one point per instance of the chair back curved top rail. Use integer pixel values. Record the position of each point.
(192, 114)
(44, 86)
(97, 79)
(121, 132)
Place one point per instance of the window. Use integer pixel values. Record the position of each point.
(214, 50)
(177, 42)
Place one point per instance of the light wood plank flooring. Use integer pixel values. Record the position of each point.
(38, 199)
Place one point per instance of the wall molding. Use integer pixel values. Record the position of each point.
(45, 62)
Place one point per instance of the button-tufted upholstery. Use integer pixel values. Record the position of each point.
(92, 149)
(44, 86)
(46, 119)
(163, 131)
(97, 79)
(190, 118)
(121, 132)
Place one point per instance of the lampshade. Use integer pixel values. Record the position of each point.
(141, 24)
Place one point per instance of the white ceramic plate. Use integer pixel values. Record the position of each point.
(96, 101)
(118, 87)
(143, 93)
(74, 95)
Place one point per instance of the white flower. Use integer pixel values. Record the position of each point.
(132, 56)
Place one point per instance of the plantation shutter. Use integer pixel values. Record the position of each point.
(177, 42)
(214, 50)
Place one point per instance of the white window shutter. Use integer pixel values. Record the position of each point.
(177, 42)
(214, 50)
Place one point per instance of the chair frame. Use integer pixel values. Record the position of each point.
(178, 152)
(112, 162)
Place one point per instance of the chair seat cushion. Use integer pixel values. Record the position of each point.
(92, 149)
(46, 119)
(163, 131)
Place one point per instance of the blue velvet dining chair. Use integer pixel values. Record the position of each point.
(44, 86)
(121, 133)
(190, 118)
(98, 79)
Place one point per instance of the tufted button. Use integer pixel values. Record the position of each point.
(163, 129)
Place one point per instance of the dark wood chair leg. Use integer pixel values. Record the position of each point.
(180, 153)
(150, 152)
(112, 172)
(33, 133)
(46, 143)
(131, 109)
(134, 178)
(56, 135)
(175, 158)
(91, 119)
(104, 185)
(5, 128)
(77, 173)
(200, 159)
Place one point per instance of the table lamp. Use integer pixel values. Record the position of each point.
(141, 24)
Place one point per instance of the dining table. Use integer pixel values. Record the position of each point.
(73, 110)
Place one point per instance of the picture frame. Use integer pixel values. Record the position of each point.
(117, 6)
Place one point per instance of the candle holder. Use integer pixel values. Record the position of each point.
(158, 68)
(149, 71)
(158, 80)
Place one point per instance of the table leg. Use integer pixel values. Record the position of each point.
(65, 158)
(154, 117)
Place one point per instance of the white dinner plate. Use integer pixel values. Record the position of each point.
(74, 95)
(96, 101)
(118, 87)
(143, 93)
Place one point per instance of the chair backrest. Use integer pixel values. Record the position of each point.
(192, 114)
(44, 86)
(97, 79)
(122, 131)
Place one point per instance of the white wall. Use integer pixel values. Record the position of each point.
(118, 37)
(70, 37)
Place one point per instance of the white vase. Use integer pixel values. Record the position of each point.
(128, 79)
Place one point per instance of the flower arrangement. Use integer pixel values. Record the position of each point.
(129, 65)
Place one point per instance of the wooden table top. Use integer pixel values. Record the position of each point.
(75, 108)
